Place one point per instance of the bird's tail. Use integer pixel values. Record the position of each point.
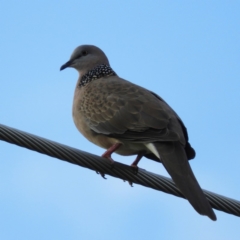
(175, 161)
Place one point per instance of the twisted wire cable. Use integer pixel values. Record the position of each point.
(119, 170)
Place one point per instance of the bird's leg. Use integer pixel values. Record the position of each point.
(108, 154)
(134, 164)
(111, 150)
(136, 161)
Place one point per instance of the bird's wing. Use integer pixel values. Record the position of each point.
(115, 107)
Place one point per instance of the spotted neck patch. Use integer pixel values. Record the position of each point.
(98, 72)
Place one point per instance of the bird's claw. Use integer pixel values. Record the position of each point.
(134, 168)
(130, 183)
(102, 174)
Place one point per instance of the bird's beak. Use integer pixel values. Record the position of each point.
(66, 65)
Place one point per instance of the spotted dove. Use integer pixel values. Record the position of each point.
(127, 119)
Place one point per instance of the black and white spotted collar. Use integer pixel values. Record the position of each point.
(98, 72)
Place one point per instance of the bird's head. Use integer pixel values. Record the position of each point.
(85, 58)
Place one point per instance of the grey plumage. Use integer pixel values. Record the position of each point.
(110, 111)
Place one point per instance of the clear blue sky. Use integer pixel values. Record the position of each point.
(188, 52)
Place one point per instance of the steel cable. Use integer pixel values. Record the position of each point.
(119, 170)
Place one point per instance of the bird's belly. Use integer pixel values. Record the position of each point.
(98, 139)
(128, 149)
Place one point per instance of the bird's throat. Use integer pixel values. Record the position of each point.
(96, 73)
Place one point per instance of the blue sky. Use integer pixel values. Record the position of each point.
(186, 51)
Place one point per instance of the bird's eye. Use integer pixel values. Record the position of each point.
(84, 53)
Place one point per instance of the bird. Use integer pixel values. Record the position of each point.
(128, 119)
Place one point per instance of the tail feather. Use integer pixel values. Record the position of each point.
(175, 161)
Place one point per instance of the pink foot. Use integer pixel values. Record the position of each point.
(137, 160)
(134, 164)
(108, 154)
